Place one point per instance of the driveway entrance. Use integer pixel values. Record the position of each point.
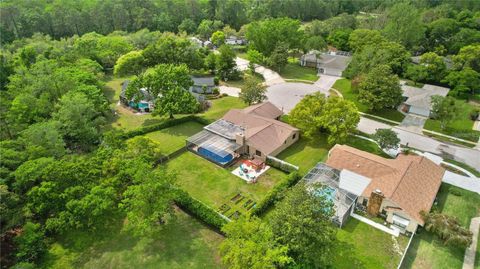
(413, 123)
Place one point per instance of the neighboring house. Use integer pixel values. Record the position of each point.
(233, 40)
(418, 100)
(254, 132)
(145, 104)
(448, 61)
(196, 41)
(203, 85)
(331, 63)
(397, 189)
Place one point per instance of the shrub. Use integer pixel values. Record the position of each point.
(474, 114)
(30, 243)
(216, 91)
(200, 210)
(448, 229)
(275, 194)
(283, 166)
(155, 127)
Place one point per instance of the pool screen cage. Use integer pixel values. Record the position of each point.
(343, 200)
(213, 147)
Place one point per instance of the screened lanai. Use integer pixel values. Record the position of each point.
(343, 201)
(214, 147)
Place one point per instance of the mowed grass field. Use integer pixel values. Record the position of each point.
(173, 138)
(426, 250)
(184, 242)
(215, 185)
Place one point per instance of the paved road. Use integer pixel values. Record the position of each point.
(325, 82)
(424, 143)
(271, 77)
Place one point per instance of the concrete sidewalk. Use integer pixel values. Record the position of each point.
(469, 259)
(467, 183)
(379, 226)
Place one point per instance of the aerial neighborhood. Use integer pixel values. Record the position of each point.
(240, 134)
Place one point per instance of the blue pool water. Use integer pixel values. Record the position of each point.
(328, 193)
(214, 156)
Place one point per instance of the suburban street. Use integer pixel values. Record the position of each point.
(286, 95)
(469, 156)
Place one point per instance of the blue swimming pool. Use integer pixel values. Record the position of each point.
(327, 192)
(221, 157)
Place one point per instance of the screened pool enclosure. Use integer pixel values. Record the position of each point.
(213, 147)
(343, 201)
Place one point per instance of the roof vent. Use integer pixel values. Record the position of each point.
(378, 191)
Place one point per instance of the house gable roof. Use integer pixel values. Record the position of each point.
(261, 130)
(411, 182)
(421, 97)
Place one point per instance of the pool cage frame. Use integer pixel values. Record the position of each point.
(344, 201)
(214, 144)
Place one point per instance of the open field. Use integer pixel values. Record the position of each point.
(344, 87)
(183, 243)
(215, 185)
(427, 251)
(173, 138)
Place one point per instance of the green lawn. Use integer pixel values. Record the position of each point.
(215, 185)
(173, 138)
(221, 106)
(461, 128)
(306, 153)
(426, 250)
(184, 242)
(362, 246)
(344, 87)
(293, 70)
(239, 83)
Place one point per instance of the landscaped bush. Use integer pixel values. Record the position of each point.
(201, 211)
(275, 194)
(284, 166)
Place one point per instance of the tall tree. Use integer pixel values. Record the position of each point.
(315, 113)
(386, 138)
(43, 140)
(253, 91)
(302, 222)
(360, 38)
(169, 85)
(250, 243)
(434, 66)
(279, 57)
(226, 62)
(466, 80)
(265, 36)
(131, 63)
(404, 25)
(218, 38)
(380, 89)
(444, 109)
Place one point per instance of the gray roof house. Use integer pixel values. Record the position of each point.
(202, 85)
(418, 100)
(329, 63)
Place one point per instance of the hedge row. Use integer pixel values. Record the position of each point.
(165, 124)
(275, 194)
(200, 210)
(283, 166)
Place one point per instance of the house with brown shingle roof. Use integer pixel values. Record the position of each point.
(254, 132)
(398, 189)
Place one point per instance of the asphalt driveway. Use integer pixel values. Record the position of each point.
(413, 123)
(286, 95)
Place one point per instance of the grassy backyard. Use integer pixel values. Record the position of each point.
(362, 246)
(344, 87)
(184, 242)
(461, 128)
(427, 251)
(293, 70)
(215, 185)
(239, 83)
(306, 152)
(173, 138)
(221, 106)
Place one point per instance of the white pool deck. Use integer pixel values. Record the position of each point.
(251, 173)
